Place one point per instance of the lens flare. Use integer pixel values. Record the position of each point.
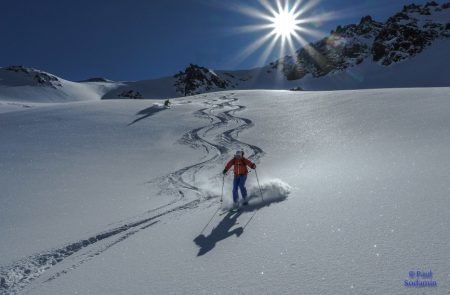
(284, 26)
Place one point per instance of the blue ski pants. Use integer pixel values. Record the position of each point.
(239, 182)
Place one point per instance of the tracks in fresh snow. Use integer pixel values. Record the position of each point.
(216, 138)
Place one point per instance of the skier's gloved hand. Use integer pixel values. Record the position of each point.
(224, 171)
(253, 166)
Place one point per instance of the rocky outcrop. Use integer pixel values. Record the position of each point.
(402, 36)
(196, 79)
(408, 32)
(130, 94)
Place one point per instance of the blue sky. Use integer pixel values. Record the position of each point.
(141, 39)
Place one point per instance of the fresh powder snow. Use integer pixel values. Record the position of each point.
(123, 196)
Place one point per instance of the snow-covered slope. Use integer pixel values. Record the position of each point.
(18, 83)
(428, 69)
(121, 197)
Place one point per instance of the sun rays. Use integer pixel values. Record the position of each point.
(283, 25)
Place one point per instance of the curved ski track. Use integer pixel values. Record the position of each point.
(216, 138)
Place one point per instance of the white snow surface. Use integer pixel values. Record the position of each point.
(118, 196)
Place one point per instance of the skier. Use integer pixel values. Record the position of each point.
(167, 103)
(240, 176)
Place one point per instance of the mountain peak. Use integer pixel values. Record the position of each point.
(366, 20)
(197, 79)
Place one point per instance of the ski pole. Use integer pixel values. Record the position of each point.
(260, 191)
(215, 213)
(209, 222)
(223, 181)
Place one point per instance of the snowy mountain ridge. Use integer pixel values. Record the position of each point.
(369, 54)
(402, 36)
(20, 83)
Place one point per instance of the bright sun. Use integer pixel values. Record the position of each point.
(284, 24)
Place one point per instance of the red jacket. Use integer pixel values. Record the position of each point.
(240, 166)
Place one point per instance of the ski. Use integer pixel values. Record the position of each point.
(234, 210)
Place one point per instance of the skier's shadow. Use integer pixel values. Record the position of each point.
(220, 232)
(145, 113)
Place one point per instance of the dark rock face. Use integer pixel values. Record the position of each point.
(18, 69)
(131, 94)
(46, 79)
(196, 79)
(403, 36)
(345, 47)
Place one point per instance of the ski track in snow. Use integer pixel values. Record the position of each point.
(216, 146)
(217, 138)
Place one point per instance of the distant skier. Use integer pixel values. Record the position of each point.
(167, 103)
(240, 176)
